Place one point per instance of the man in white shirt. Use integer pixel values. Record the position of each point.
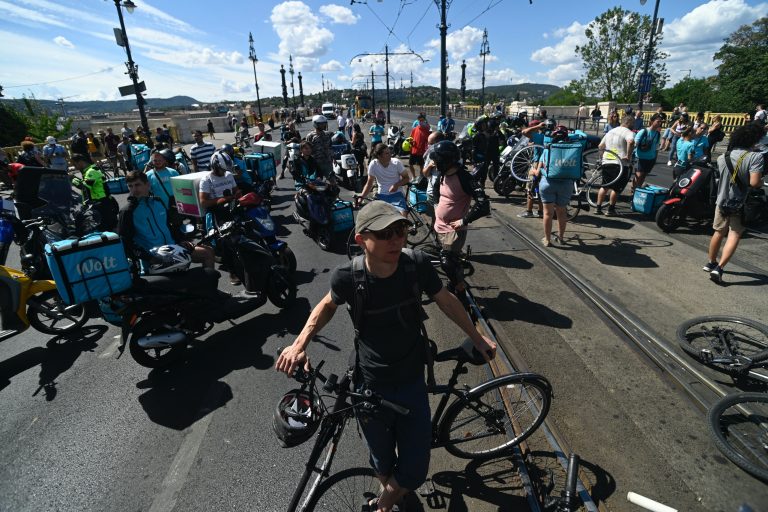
(620, 140)
(761, 115)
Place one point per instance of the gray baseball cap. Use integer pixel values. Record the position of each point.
(377, 215)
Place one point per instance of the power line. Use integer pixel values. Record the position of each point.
(491, 5)
(391, 30)
(429, 4)
(63, 79)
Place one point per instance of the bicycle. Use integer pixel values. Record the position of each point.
(482, 422)
(738, 424)
(730, 344)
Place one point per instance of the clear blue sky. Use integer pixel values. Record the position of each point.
(200, 49)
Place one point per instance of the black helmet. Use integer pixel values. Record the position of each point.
(549, 124)
(338, 138)
(480, 121)
(228, 149)
(169, 156)
(296, 417)
(445, 154)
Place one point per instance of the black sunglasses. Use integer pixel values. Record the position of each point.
(399, 230)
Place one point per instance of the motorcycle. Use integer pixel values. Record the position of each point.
(162, 314)
(505, 182)
(258, 212)
(345, 166)
(395, 139)
(246, 254)
(323, 216)
(28, 300)
(693, 194)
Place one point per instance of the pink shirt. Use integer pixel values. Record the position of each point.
(454, 204)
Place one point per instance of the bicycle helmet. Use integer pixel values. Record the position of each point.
(445, 154)
(338, 138)
(167, 259)
(559, 134)
(549, 124)
(320, 121)
(221, 161)
(480, 122)
(228, 149)
(296, 417)
(407, 145)
(522, 113)
(169, 156)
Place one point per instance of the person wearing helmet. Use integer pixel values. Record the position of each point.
(219, 186)
(390, 352)
(55, 155)
(160, 177)
(321, 147)
(144, 224)
(485, 146)
(453, 195)
(555, 194)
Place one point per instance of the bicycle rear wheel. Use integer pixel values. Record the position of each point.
(422, 217)
(524, 159)
(495, 416)
(345, 491)
(707, 337)
(593, 162)
(739, 425)
(591, 190)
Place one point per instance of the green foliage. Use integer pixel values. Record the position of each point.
(744, 59)
(12, 127)
(699, 94)
(614, 54)
(572, 94)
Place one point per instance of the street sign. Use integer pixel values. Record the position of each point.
(128, 90)
(119, 37)
(645, 83)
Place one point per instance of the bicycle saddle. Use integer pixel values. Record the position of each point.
(465, 353)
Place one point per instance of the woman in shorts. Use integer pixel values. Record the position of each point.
(555, 194)
(390, 175)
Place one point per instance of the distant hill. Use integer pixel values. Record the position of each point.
(530, 91)
(77, 108)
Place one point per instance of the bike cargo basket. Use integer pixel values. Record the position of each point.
(648, 199)
(92, 267)
(117, 185)
(343, 218)
(140, 156)
(262, 165)
(564, 161)
(415, 195)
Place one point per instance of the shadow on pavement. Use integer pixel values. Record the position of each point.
(618, 253)
(59, 356)
(179, 395)
(752, 279)
(501, 259)
(509, 306)
(494, 482)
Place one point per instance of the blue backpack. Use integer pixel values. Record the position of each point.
(564, 161)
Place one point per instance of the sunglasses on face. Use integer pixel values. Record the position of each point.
(398, 230)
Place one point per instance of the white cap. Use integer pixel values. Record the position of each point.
(50, 139)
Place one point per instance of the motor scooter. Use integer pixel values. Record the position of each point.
(693, 195)
(395, 139)
(253, 206)
(324, 217)
(345, 166)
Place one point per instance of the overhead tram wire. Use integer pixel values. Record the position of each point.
(391, 30)
(105, 70)
(491, 5)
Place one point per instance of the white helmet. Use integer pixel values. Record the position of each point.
(221, 160)
(320, 120)
(168, 258)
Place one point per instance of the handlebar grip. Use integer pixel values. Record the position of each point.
(397, 408)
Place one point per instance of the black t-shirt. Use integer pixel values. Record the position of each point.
(391, 348)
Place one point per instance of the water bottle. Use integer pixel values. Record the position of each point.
(6, 238)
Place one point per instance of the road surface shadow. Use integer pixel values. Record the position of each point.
(508, 306)
(501, 259)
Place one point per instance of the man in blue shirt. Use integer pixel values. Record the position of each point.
(376, 132)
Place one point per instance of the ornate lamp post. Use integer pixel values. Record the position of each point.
(285, 89)
(254, 60)
(301, 91)
(485, 49)
(290, 70)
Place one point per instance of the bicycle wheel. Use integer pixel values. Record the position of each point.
(524, 159)
(739, 426)
(347, 490)
(505, 183)
(591, 190)
(495, 416)
(573, 207)
(322, 449)
(593, 162)
(725, 336)
(422, 217)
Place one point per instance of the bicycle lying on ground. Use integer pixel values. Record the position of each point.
(482, 422)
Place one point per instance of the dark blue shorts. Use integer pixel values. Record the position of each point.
(400, 445)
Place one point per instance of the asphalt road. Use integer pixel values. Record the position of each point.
(82, 430)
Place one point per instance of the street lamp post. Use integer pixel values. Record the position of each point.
(485, 49)
(290, 70)
(648, 54)
(463, 80)
(133, 68)
(301, 91)
(254, 60)
(285, 89)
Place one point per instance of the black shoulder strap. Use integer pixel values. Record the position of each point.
(414, 259)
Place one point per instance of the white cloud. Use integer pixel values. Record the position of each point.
(332, 65)
(14, 13)
(458, 43)
(149, 11)
(339, 14)
(63, 41)
(563, 51)
(564, 73)
(231, 86)
(299, 30)
(711, 22)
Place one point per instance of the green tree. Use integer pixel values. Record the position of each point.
(743, 60)
(699, 94)
(41, 123)
(572, 94)
(614, 54)
(13, 127)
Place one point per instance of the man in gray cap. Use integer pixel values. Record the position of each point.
(382, 288)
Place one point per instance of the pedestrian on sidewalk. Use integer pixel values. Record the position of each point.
(210, 130)
(740, 168)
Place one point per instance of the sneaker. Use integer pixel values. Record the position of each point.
(234, 280)
(716, 275)
(669, 164)
(611, 212)
(545, 242)
(709, 267)
(526, 215)
(599, 211)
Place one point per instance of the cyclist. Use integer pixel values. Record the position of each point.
(390, 175)
(389, 344)
(376, 131)
(452, 195)
(620, 140)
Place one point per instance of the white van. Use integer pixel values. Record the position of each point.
(328, 110)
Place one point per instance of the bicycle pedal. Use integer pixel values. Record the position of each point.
(706, 355)
(427, 489)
